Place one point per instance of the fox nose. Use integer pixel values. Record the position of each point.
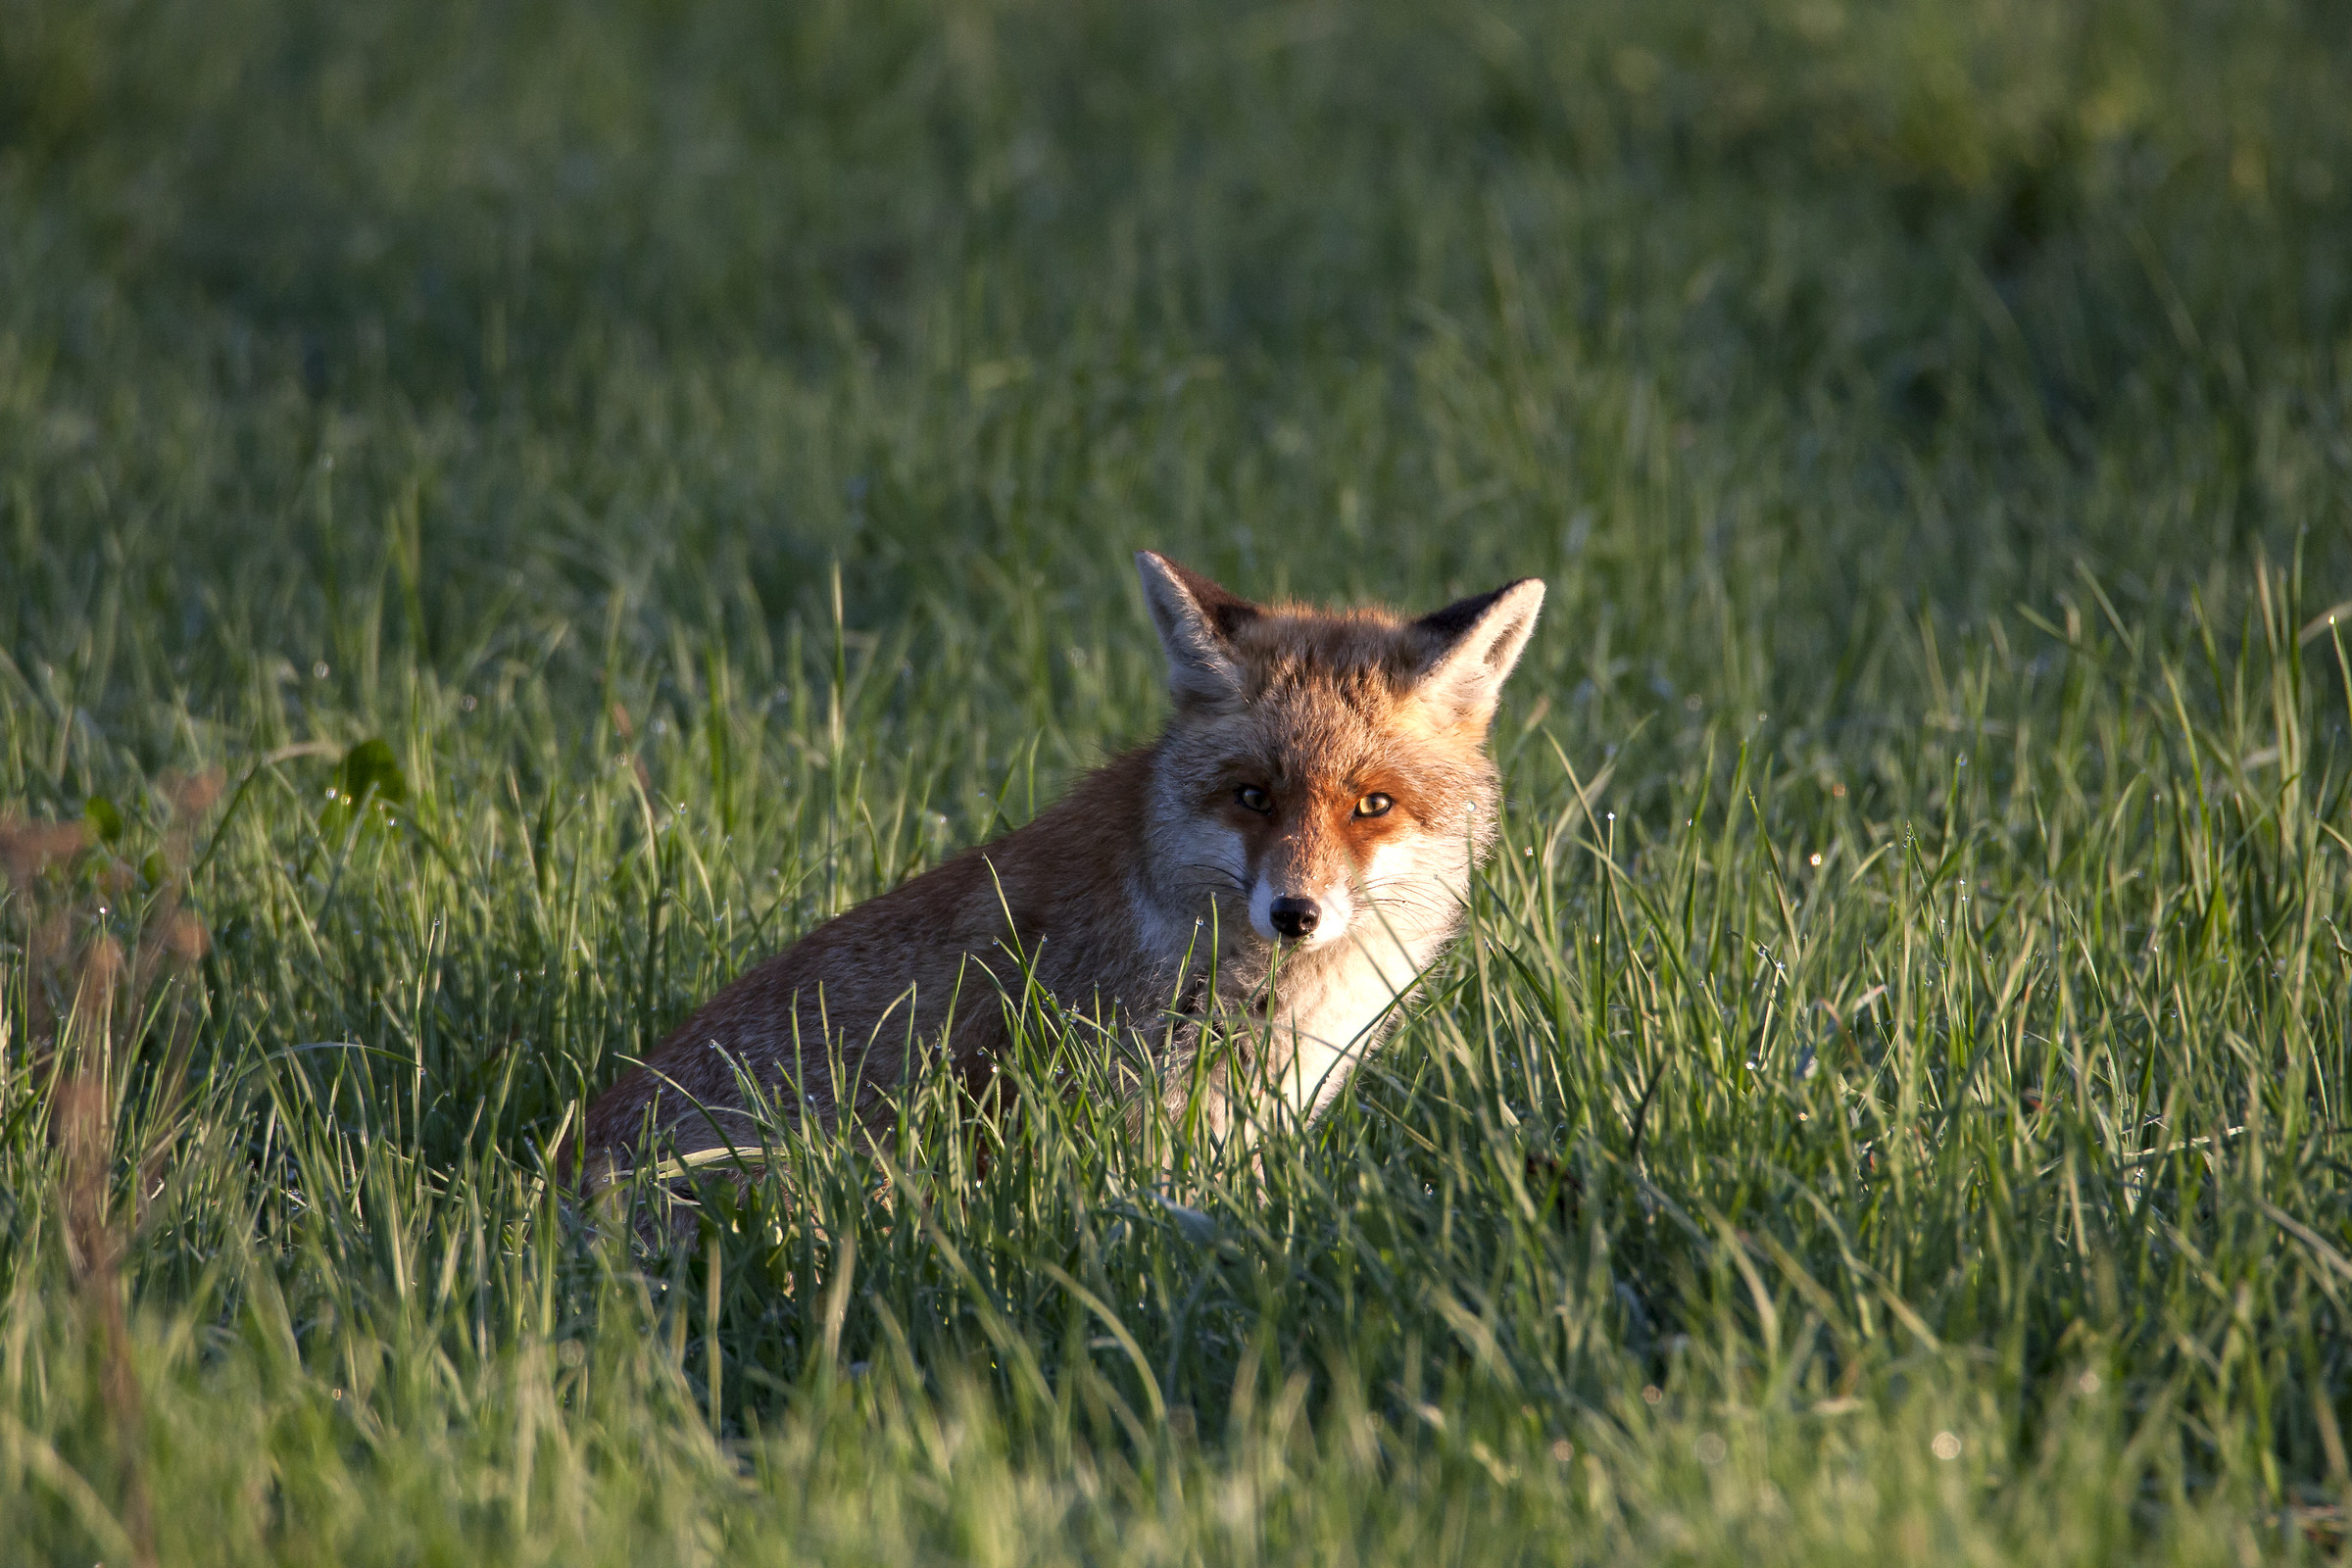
(1293, 918)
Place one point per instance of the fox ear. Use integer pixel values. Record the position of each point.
(1194, 617)
(1473, 645)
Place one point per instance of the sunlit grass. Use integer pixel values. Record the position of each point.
(508, 515)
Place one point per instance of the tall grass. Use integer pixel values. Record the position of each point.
(509, 513)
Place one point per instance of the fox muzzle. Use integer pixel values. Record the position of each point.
(1294, 920)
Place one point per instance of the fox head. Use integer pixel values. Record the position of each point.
(1324, 776)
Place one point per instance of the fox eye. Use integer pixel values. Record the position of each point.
(1374, 805)
(1255, 799)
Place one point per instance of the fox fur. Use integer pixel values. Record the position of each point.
(1290, 854)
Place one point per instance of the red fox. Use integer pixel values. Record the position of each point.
(1289, 855)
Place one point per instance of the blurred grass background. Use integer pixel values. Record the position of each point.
(508, 511)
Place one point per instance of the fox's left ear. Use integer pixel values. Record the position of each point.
(1473, 645)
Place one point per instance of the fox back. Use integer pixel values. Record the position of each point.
(1280, 864)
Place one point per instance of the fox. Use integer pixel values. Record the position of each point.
(1283, 860)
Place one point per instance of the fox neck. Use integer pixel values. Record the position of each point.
(1303, 1021)
(1327, 1010)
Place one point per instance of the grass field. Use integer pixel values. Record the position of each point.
(508, 511)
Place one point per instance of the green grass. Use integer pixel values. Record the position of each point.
(703, 446)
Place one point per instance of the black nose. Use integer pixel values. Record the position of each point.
(1293, 918)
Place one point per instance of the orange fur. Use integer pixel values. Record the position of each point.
(1291, 724)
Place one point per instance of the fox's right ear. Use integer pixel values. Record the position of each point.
(1195, 618)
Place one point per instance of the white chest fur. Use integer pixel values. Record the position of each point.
(1327, 1017)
